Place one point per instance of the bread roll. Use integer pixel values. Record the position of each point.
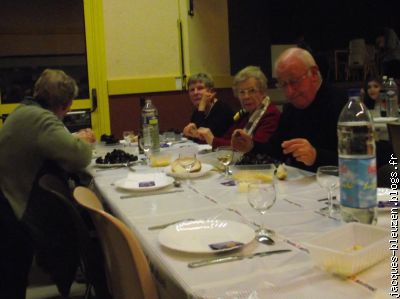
(177, 167)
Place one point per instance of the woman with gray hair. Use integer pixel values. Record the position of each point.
(258, 116)
(33, 136)
(209, 112)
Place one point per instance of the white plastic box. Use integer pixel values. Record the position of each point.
(350, 248)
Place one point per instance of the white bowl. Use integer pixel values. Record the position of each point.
(350, 248)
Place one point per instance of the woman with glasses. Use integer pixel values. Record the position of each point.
(258, 116)
(209, 112)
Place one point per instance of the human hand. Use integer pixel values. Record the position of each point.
(301, 149)
(86, 135)
(206, 135)
(190, 131)
(206, 100)
(241, 141)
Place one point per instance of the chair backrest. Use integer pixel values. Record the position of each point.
(394, 135)
(127, 267)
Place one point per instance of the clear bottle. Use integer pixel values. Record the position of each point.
(357, 162)
(392, 93)
(150, 130)
(382, 96)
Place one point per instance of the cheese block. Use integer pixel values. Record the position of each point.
(178, 168)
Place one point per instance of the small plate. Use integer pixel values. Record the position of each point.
(205, 168)
(201, 236)
(144, 181)
(384, 119)
(100, 165)
(383, 196)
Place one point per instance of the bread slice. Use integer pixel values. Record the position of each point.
(176, 167)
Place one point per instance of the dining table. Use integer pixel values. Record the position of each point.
(295, 219)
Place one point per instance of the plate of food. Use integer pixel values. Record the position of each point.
(144, 181)
(116, 158)
(198, 170)
(206, 236)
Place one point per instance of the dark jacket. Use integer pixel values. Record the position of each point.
(317, 123)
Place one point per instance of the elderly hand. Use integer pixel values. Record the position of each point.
(86, 135)
(206, 100)
(241, 141)
(206, 135)
(301, 149)
(190, 131)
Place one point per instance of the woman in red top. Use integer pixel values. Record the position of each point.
(258, 116)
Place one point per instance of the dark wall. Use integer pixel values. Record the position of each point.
(174, 109)
(326, 25)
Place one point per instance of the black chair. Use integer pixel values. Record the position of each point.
(394, 136)
(88, 248)
(385, 172)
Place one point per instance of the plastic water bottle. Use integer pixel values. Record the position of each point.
(392, 93)
(150, 130)
(357, 162)
(382, 95)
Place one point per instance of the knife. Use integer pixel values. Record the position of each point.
(218, 260)
(161, 226)
(149, 193)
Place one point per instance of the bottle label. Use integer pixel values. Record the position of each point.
(357, 182)
(150, 120)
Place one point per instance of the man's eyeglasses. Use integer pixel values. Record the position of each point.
(294, 83)
(248, 91)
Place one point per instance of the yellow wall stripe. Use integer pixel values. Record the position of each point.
(155, 84)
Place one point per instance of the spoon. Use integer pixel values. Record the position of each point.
(265, 240)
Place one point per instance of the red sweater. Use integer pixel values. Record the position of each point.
(265, 127)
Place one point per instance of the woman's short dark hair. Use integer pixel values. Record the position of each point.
(204, 78)
(54, 89)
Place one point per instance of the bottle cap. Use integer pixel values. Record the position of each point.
(353, 92)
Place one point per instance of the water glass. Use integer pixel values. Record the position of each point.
(261, 197)
(328, 178)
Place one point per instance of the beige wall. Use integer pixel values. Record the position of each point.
(207, 38)
(141, 38)
(143, 42)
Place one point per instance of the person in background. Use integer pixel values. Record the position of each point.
(32, 136)
(306, 136)
(258, 117)
(370, 93)
(209, 112)
(388, 44)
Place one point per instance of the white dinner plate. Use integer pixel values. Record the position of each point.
(200, 236)
(383, 196)
(384, 119)
(205, 168)
(144, 181)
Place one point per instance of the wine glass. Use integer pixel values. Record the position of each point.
(145, 144)
(328, 178)
(128, 137)
(261, 197)
(225, 157)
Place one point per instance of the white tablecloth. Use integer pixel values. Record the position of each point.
(293, 217)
